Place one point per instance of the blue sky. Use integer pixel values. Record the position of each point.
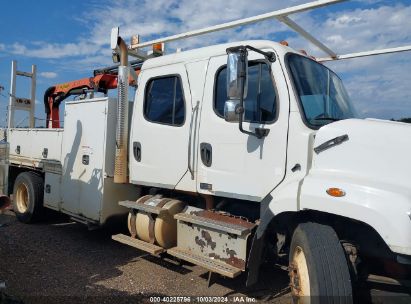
(68, 39)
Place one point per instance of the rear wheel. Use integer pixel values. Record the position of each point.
(28, 196)
(318, 268)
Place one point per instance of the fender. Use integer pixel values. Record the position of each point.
(282, 199)
(385, 208)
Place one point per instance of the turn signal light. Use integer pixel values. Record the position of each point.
(336, 192)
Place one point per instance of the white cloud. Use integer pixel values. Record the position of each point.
(358, 29)
(54, 50)
(49, 75)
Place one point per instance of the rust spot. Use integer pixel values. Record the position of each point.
(206, 235)
(200, 242)
(233, 261)
(223, 218)
(230, 252)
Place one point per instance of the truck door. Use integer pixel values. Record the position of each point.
(234, 164)
(160, 127)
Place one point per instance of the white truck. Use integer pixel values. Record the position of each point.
(228, 155)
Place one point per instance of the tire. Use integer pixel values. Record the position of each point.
(28, 192)
(319, 270)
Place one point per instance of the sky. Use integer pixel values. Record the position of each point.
(67, 40)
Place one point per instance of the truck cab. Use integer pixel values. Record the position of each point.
(292, 156)
(243, 151)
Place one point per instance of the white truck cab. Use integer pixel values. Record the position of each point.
(230, 154)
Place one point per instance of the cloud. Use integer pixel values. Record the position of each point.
(49, 75)
(354, 30)
(54, 50)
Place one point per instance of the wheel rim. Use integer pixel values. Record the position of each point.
(22, 198)
(299, 277)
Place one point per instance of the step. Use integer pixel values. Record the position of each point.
(143, 207)
(139, 244)
(219, 225)
(205, 262)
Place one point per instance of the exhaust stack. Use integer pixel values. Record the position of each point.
(120, 165)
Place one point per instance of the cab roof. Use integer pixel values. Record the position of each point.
(212, 51)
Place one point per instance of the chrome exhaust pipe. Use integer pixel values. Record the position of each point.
(120, 165)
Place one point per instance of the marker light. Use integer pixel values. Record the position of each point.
(283, 42)
(336, 192)
(158, 49)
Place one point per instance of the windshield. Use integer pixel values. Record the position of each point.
(322, 94)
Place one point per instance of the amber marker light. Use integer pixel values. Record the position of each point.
(336, 192)
(158, 48)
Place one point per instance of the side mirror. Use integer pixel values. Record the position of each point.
(237, 72)
(231, 110)
(237, 83)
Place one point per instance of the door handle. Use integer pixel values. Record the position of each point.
(137, 151)
(45, 152)
(206, 152)
(85, 160)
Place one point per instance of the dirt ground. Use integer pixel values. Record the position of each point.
(60, 261)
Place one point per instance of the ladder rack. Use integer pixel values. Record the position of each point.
(282, 16)
(17, 103)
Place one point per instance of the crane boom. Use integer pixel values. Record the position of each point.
(103, 80)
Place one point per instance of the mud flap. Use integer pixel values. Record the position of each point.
(254, 259)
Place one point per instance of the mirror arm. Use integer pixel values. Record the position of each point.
(270, 56)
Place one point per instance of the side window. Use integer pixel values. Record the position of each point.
(261, 102)
(164, 101)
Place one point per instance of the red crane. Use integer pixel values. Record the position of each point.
(104, 79)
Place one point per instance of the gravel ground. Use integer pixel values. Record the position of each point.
(60, 261)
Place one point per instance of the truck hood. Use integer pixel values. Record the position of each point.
(376, 152)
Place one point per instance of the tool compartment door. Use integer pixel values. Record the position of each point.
(160, 127)
(83, 157)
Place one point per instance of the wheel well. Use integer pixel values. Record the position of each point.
(14, 171)
(367, 240)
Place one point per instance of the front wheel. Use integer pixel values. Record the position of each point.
(318, 268)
